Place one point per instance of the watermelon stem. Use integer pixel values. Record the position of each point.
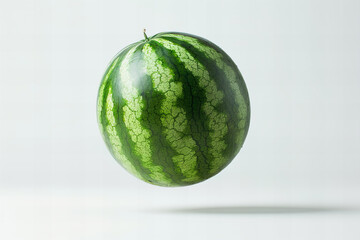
(146, 37)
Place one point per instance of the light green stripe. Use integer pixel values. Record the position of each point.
(216, 120)
(132, 113)
(114, 138)
(173, 118)
(231, 76)
(101, 92)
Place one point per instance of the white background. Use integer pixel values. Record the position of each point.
(297, 176)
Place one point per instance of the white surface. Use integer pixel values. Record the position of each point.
(300, 60)
(180, 214)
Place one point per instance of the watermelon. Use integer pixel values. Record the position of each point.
(173, 109)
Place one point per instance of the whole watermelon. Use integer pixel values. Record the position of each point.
(173, 109)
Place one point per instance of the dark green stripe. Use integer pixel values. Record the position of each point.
(239, 79)
(226, 58)
(192, 101)
(228, 105)
(107, 82)
(121, 129)
(162, 152)
(243, 89)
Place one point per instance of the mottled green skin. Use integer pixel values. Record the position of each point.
(173, 109)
